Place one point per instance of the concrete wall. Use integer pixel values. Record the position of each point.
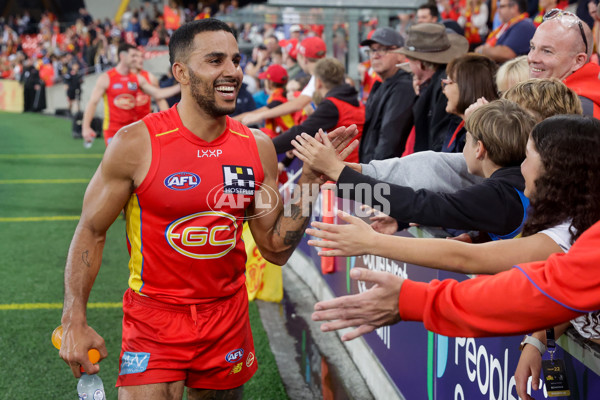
(107, 8)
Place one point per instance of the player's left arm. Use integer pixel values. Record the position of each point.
(157, 93)
(277, 233)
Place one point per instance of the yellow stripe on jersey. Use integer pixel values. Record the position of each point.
(106, 113)
(239, 134)
(167, 132)
(133, 214)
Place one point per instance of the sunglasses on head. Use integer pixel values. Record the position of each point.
(570, 19)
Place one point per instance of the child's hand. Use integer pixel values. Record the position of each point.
(320, 157)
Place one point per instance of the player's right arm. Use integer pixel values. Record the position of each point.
(156, 92)
(86, 124)
(161, 103)
(122, 169)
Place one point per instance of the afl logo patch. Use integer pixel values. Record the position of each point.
(234, 355)
(182, 181)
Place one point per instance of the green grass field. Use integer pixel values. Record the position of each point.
(43, 176)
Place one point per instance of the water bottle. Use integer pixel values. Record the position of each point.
(89, 387)
(86, 144)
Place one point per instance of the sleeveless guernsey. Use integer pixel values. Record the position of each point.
(184, 222)
(119, 102)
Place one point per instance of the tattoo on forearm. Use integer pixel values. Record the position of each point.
(295, 211)
(85, 258)
(277, 227)
(294, 219)
(293, 237)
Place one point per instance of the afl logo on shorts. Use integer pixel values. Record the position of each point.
(203, 235)
(234, 355)
(182, 181)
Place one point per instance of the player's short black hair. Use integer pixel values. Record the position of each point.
(125, 47)
(182, 39)
(432, 7)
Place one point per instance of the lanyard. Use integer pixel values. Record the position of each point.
(550, 342)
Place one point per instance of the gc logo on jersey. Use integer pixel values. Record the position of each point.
(182, 181)
(238, 180)
(203, 235)
(124, 101)
(132, 86)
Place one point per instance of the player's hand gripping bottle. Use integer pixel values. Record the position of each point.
(89, 387)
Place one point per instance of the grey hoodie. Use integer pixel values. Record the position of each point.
(435, 171)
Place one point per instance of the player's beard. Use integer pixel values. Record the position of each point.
(204, 96)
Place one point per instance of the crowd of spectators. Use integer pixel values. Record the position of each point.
(54, 46)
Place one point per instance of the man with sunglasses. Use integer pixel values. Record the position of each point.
(389, 104)
(511, 38)
(561, 49)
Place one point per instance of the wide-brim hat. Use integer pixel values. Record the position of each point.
(431, 43)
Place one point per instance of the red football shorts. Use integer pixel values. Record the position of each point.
(209, 346)
(108, 136)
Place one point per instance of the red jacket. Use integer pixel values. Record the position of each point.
(586, 83)
(528, 297)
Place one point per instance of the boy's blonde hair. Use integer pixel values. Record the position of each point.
(330, 71)
(503, 127)
(512, 72)
(544, 98)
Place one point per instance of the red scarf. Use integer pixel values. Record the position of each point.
(471, 32)
(493, 37)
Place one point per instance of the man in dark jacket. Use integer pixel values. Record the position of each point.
(428, 49)
(338, 105)
(389, 105)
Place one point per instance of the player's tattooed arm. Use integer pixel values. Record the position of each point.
(295, 215)
(278, 231)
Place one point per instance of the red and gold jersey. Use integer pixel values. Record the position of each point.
(143, 102)
(282, 123)
(184, 222)
(119, 102)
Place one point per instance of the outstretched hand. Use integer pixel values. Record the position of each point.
(380, 222)
(319, 154)
(367, 311)
(353, 239)
(341, 137)
(530, 365)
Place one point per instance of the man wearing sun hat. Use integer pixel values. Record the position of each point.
(310, 50)
(428, 49)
